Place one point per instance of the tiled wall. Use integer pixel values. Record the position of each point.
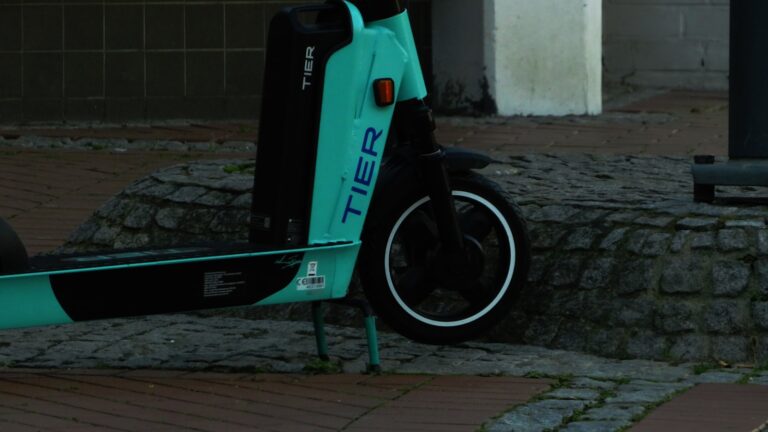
(667, 43)
(105, 60)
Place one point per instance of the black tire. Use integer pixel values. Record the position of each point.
(398, 262)
(13, 255)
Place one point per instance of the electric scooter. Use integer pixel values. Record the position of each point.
(348, 172)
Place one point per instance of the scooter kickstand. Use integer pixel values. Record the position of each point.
(317, 319)
(374, 360)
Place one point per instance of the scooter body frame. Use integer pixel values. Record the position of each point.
(352, 133)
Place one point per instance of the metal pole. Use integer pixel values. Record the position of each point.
(748, 115)
(749, 79)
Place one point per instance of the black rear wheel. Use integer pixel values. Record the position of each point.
(410, 284)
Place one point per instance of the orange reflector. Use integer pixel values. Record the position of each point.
(384, 89)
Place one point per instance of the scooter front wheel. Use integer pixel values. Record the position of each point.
(407, 281)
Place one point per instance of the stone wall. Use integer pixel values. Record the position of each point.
(667, 43)
(625, 264)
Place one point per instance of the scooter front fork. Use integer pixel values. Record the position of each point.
(421, 135)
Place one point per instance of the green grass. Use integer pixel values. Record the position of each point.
(95, 146)
(238, 169)
(701, 368)
(322, 367)
(254, 370)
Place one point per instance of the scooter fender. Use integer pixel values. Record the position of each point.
(461, 159)
(401, 172)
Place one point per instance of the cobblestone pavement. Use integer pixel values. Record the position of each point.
(591, 393)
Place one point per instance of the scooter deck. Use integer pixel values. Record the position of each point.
(133, 256)
(65, 288)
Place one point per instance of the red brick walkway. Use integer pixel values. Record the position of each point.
(693, 123)
(676, 123)
(711, 408)
(195, 132)
(168, 401)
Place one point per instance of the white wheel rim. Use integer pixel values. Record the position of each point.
(502, 291)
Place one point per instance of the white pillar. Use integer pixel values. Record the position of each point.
(520, 57)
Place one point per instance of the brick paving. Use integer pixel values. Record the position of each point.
(174, 401)
(675, 123)
(711, 408)
(194, 132)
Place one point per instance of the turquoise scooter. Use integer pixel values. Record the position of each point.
(348, 171)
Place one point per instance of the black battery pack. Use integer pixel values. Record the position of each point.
(300, 42)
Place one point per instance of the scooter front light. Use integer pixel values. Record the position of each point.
(384, 89)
